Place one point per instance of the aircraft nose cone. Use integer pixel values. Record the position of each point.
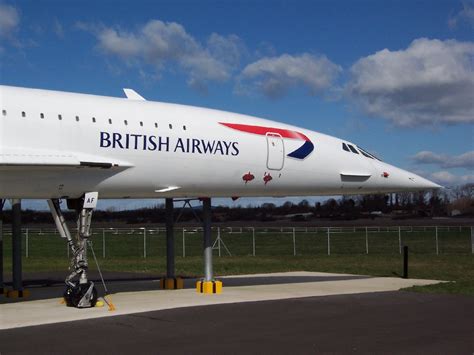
(422, 183)
(396, 179)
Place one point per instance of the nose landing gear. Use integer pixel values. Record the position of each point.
(80, 292)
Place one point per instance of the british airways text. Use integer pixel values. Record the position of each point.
(166, 144)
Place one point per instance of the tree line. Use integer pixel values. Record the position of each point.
(458, 201)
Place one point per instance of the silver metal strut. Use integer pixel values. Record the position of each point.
(79, 264)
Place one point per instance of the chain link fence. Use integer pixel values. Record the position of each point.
(254, 241)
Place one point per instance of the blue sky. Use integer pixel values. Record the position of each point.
(393, 76)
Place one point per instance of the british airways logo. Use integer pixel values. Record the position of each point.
(129, 141)
(301, 153)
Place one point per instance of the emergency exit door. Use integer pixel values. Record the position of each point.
(276, 151)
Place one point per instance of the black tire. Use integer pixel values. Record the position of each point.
(73, 295)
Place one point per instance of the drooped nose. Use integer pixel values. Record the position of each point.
(395, 179)
(422, 183)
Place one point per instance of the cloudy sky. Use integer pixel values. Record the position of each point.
(397, 77)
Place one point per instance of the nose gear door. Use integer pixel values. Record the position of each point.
(275, 151)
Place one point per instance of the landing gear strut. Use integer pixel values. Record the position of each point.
(80, 292)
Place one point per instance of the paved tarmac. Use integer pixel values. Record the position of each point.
(243, 288)
(387, 322)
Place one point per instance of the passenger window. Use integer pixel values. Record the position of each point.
(60, 117)
(344, 146)
(41, 115)
(353, 150)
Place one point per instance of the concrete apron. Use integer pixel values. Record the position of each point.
(30, 313)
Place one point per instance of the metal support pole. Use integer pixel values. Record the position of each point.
(208, 275)
(184, 243)
(437, 244)
(1, 247)
(405, 262)
(472, 240)
(16, 245)
(329, 241)
(366, 240)
(400, 239)
(103, 243)
(219, 240)
(294, 242)
(170, 265)
(144, 242)
(253, 241)
(27, 253)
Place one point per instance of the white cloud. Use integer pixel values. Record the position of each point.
(466, 14)
(9, 20)
(431, 82)
(446, 178)
(445, 161)
(275, 76)
(159, 44)
(58, 29)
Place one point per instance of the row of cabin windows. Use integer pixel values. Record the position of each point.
(350, 148)
(60, 117)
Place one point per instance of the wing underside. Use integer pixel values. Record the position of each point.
(17, 158)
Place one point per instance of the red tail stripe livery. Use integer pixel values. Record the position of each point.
(300, 153)
(261, 130)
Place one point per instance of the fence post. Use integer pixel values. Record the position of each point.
(103, 243)
(366, 240)
(329, 242)
(472, 240)
(27, 254)
(437, 244)
(184, 243)
(144, 242)
(400, 239)
(253, 241)
(294, 242)
(219, 240)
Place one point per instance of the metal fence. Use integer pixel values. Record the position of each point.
(253, 241)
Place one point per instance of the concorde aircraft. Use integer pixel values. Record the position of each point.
(58, 145)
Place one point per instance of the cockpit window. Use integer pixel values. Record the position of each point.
(353, 150)
(344, 146)
(367, 154)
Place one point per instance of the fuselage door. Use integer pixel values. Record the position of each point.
(276, 151)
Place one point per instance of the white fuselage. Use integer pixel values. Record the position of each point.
(57, 144)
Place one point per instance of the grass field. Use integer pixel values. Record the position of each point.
(274, 249)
